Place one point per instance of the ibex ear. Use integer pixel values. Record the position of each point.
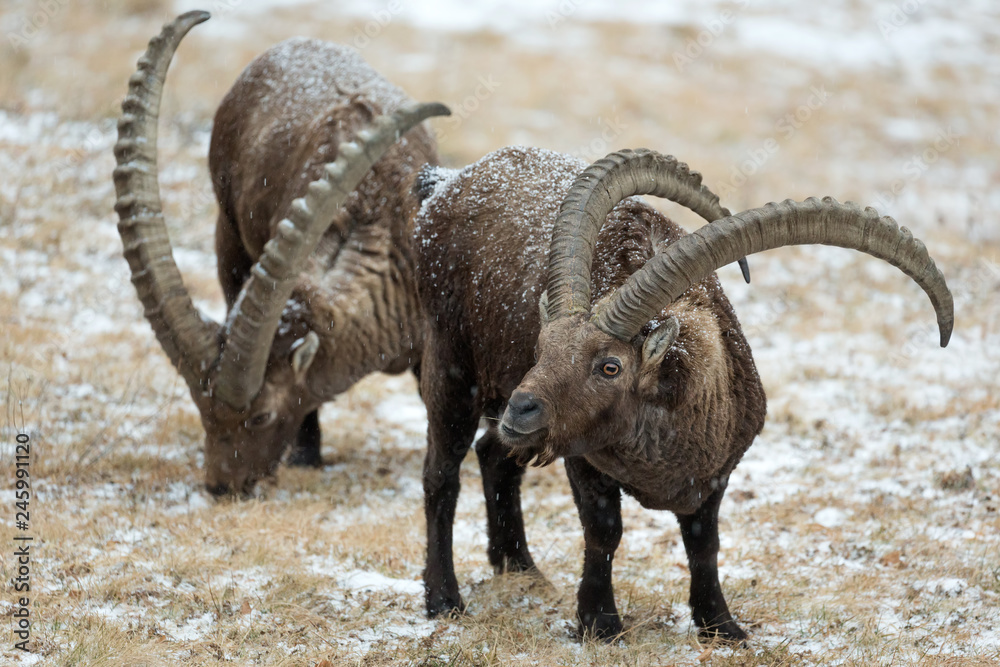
(303, 354)
(543, 308)
(659, 341)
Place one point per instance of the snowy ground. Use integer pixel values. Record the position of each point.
(862, 528)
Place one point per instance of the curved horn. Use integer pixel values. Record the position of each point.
(595, 192)
(695, 256)
(188, 338)
(254, 317)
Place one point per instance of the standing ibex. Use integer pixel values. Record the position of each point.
(311, 311)
(647, 384)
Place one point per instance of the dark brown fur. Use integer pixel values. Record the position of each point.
(275, 130)
(669, 435)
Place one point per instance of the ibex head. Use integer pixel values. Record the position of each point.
(243, 446)
(600, 366)
(247, 379)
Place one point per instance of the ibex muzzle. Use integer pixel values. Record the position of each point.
(525, 415)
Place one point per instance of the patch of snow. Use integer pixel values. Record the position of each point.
(190, 630)
(904, 129)
(362, 580)
(948, 587)
(830, 517)
(189, 259)
(405, 411)
(358, 580)
(88, 322)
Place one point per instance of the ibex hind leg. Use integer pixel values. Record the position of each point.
(598, 500)
(508, 546)
(305, 452)
(451, 426)
(700, 532)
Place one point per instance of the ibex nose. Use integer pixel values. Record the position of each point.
(524, 414)
(523, 403)
(218, 489)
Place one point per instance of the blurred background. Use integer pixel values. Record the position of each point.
(877, 473)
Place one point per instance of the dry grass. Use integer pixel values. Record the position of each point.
(861, 529)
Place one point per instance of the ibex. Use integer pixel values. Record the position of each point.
(310, 310)
(631, 365)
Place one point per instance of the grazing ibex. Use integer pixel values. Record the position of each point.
(631, 364)
(317, 275)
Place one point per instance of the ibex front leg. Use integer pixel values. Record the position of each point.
(508, 548)
(700, 532)
(598, 499)
(306, 450)
(451, 426)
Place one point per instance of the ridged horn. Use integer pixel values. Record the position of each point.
(694, 257)
(254, 317)
(597, 190)
(188, 338)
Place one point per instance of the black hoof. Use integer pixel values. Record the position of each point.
(604, 627)
(445, 607)
(727, 632)
(516, 564)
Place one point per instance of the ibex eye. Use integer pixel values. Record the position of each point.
(261, 419)
(611, 368)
